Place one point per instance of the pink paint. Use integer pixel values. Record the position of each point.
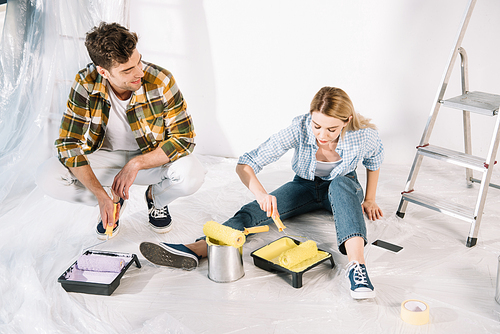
(101, 263)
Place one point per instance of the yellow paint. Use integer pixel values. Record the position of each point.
(296, 255)
(109, 228)
(224, 235)
(273, 251)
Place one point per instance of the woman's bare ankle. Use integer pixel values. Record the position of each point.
(199, 247)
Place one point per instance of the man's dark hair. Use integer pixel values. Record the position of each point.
(110, 43)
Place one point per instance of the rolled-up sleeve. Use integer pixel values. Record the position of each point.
(272, 149)
(374, 155)
(74, 126)
(179, 128)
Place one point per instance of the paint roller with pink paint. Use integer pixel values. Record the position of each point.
(100, 263)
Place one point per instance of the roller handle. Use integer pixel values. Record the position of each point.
(278, 222)
(109, 228)
(256, 229)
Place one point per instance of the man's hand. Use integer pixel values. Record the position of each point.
(87, 177)
(124, 179)
(106, 208)
(372, 210)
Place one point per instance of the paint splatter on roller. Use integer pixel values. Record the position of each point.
(224, 234)
(296, 255)
(100, 263)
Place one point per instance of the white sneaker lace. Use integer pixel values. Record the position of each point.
(359, 275)
(158, 213)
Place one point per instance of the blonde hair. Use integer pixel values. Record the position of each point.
(334, 102)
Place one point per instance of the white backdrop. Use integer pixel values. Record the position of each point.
(247, 67)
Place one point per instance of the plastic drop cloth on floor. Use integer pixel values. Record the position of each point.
(41, 237)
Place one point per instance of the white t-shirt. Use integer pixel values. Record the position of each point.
(118, 135)
(324, 168)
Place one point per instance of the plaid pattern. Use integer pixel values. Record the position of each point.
(363, 145)
(157, 114)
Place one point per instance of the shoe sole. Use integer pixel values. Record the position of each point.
(363, 294)
(166, 256)
(160, 230)
(115, 232)
(104, 236)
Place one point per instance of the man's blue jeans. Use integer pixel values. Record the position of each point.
(342, 196)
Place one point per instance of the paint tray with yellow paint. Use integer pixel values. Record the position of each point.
(267, 258)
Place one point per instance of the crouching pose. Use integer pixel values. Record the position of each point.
(329, 142)
(126, 122)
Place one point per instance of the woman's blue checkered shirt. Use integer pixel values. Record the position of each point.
(362, 145)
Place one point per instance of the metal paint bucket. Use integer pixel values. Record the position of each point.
(225, 263)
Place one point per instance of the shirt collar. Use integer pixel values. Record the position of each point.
(341, 144)
(138, 96)
(311, 139)
(101, 86)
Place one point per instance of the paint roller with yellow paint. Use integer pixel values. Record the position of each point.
(224, 234)
(296, 255)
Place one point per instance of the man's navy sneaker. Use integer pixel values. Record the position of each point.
(170, 255)
(159, 219)
(361, 287)
(100, 230)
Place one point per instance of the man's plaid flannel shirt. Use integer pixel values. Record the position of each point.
(157, 114)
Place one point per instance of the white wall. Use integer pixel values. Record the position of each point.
(247, 68)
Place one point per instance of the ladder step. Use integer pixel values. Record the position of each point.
(477, 102)
(451, 209)
(453, 157)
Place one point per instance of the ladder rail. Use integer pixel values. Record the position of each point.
(482, 103)
(464, 67)
(417, 162)
(485, 181)
(446, 76)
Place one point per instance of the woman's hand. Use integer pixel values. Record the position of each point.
(268, 204)
(371, 209)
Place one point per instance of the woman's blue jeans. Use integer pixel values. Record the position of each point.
(342, 196)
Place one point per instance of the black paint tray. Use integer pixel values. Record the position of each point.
(93, 282)
(267, 258)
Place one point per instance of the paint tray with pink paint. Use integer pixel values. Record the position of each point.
(97, 272)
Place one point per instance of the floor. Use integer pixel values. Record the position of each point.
(41, 237)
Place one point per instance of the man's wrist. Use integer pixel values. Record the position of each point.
(136, 163)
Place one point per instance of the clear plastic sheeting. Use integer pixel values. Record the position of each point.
(40, 53)
(42, 237)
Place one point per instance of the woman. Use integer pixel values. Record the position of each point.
(329, 143)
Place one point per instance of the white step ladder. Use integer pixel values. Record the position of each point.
(476, 102)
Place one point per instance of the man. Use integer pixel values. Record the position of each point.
(126, 123)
